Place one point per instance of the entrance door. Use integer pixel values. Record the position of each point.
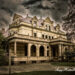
(54, 49)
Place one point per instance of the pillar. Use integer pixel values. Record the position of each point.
(29, 51)
(15, 48)
(60, 50)
(50, 53)
(45, 51)
(37, 53)
(37, 50)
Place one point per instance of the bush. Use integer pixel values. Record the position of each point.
(3, 58)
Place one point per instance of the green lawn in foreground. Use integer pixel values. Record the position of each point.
(45, 73)
(63, 63)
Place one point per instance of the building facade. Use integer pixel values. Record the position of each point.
(36, 40)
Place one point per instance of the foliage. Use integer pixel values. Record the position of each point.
(3, 60)
(69, 20)
(44, 73)
(69, 55)
(63, 63)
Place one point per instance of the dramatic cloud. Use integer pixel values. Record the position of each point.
(53, 8)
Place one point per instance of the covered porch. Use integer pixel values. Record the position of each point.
(59, 47)
(28, 52)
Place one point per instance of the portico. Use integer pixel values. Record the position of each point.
(29, 51)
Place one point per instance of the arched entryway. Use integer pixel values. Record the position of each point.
(33, 50)
(55, 52)
(41, 52)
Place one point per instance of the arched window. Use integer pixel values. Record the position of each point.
(33, 50)
(41, 51)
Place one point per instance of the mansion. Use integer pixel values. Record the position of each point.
(36, 40)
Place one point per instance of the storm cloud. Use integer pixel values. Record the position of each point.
(56, 9)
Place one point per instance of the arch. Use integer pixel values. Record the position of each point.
(33, 50)
(41, 51)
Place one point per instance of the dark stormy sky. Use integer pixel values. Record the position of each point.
(56, 9)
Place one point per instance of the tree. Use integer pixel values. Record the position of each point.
(3, 60)
(69, 20)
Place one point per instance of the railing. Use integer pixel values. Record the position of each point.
(30, 58)
(37, 38)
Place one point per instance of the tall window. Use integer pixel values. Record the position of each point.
(46, 37)
(41, 51)
(33, 50)
(52, 37)
(49, 37)
(35, 23)
(49, 28)
(35, 35)
(42, 36)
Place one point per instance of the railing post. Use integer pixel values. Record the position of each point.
(9, 61)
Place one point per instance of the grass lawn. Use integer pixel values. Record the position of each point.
(44, 73)
(63, 63)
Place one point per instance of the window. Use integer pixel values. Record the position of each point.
(52, 37)
(35, 22)
(46, 36)
(35, 35)
(43, 36)
(30, 21)
(49, 28)
(46, 27)
(49, 37)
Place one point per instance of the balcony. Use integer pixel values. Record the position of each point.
(28, 38)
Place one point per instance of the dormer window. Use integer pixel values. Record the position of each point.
(48, 27)
(34, 24)
(30, 21)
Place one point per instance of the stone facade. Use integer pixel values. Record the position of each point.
(36, 40)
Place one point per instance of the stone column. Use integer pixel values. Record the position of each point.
(29, 51)
(37, 51)
(15, 48)
(50, 53)
(63, 49)
(60, 49)
(45, 51)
